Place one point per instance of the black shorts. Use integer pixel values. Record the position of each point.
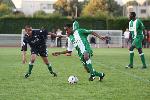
(40, 52)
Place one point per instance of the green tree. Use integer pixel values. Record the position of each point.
(39, 13)
(18, 14)
(4, 10)
(114, 8)
(1, 1)
(93, 7)
(61, 6)
(68, 7)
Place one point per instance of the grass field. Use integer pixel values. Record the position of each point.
(119, 83)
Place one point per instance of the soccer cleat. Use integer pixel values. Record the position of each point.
(129, 66)
(54, 74)
(27, 75)
(144, 67)
(91, 78)
(101, 77)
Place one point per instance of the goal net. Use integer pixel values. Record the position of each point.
(113, 38)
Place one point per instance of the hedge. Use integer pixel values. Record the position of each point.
(14, 25)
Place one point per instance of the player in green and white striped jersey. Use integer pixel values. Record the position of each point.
(79, 40)
(70, 45)
(136, 31)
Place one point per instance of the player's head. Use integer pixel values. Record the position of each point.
(132, 15)
(68, 28)
(28, 29)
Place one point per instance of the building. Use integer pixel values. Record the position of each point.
(142, 10)
(29, 7)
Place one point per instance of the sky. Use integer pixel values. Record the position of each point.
(18, 2)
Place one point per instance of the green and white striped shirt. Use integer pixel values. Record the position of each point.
(136, 28)
(80, 42)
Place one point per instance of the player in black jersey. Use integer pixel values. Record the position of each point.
(37, 41)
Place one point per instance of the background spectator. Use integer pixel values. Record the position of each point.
(58, 39)
(126, 38)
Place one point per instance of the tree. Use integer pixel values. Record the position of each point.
(114, 8)
(18, 14)
(1, 1)
(4, 10)
(93, 7)
(67, 7)
(61, 7)
(39, 13)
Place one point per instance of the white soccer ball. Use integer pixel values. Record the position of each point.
(72, 79)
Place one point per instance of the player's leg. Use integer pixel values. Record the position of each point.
(93, 73)
(131, 55)
(139, 47)
(49, 66)
(44, 55)
(85, 66)
(32, 59)
(88, 63)
(142, 57)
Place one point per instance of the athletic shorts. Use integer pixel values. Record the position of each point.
(40, 52)
(137, 42)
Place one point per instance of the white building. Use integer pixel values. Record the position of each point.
(142, 10)
(29, 7)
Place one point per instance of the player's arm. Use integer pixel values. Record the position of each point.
(24, 57)
(53, 34)
(69, 49)
(61, 52)
(99, 36)
(93, 33)
(24, 49)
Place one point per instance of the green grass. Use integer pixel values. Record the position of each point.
(119, 83)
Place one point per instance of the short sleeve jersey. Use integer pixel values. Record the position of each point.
(136, 28)
(36, 41)
(80, 42)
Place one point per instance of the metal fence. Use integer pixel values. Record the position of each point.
(115, 39)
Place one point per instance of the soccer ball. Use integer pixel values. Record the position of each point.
(72, 79)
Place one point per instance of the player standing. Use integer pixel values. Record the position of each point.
(81, 44)
(37, 41)
(136, 31)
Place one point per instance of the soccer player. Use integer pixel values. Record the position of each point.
(81, 44)
(37, 41)
(136, 31)
(69, 43)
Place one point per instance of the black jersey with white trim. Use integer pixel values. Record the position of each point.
(36, 41)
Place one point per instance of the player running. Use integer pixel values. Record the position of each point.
(136, 31)
(79, 40)
(37, 41)
(69, 43)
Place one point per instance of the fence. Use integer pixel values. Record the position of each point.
(114, 35)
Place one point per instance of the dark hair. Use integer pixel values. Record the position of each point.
(133, 14)
(27, 26)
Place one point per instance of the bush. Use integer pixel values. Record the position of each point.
(14, 25)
